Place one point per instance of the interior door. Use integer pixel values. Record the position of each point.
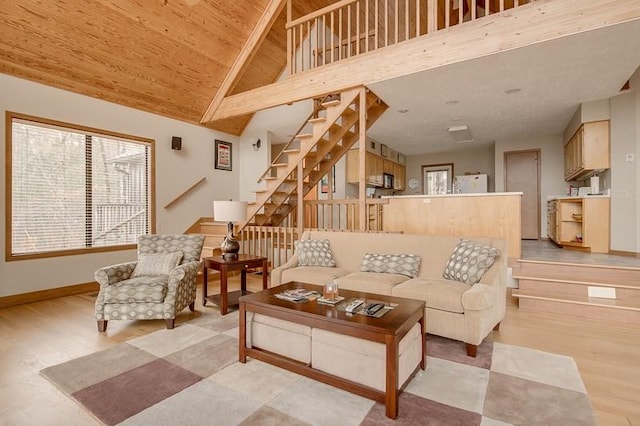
(522, 174)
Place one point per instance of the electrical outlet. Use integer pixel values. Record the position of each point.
(629, 158)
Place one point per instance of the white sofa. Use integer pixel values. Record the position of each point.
(453, 309)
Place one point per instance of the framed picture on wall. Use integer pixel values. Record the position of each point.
(223, 155)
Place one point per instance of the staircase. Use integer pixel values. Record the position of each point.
(329, 132)
(594, 291)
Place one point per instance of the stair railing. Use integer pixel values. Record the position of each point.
(185, 193)
(350, 28)
(314, 113)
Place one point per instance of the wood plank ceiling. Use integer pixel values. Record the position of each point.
(168, 57)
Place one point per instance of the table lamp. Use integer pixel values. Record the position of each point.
(230, 211)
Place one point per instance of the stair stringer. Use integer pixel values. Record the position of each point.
(277, 199)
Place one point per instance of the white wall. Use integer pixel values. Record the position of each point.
(254, 163)
(551, 168)
(624, 175)
(175, 172)
(471, 159)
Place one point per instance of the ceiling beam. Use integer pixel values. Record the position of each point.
(540, 21)
(249, 49)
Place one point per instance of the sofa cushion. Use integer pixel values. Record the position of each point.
(438, 293)
(314, 253)
(370, 282)
(150, 289)
(156, 264)
(312, 274)
(403, 264)
(469, 261)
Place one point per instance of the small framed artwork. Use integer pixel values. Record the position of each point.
(384, 150)
(223, 155)
(324, 182)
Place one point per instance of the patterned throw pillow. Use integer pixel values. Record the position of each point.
(469, 261)
(156, 264)
(403, 264)
(314, 253)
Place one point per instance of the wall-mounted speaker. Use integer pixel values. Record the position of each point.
(176, 143)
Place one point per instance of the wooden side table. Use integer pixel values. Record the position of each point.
(241, 263)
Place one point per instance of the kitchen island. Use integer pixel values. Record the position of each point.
(492, 214)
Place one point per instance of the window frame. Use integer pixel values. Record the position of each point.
(9, 118)
(443, 167)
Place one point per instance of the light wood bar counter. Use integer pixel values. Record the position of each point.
(492, 214)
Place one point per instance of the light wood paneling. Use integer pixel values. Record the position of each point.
(484, 215)
(164, 57)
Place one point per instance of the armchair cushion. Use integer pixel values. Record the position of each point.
(156, 264)
(145, 289)
(469, 261)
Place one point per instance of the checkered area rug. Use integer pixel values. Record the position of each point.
(190, 376)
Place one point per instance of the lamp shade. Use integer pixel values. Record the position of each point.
(229, 211)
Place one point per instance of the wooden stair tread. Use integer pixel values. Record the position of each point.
(331, 103)
(580, 265)
(317, 120)
(578, 300)
(633, 286)
(304, 135)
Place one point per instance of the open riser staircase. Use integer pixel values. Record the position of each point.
(595, 291)
(326, 136)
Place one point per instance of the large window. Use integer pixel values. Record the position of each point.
(73, 189)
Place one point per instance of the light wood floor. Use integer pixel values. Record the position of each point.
(38, 335)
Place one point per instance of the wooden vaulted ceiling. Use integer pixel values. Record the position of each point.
(168, 57)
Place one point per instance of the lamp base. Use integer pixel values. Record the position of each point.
(230, 246)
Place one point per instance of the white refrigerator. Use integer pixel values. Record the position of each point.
(469, 184)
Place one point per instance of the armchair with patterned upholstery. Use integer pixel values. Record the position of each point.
(160, 284)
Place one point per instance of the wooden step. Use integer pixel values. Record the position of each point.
(218, 228)
(605, 309)
(304, 136)
(291, 151)
(331, 103)
(317, 120)
(562, 271)
(564, 288)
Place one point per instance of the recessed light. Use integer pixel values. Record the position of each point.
(403, 111)
(512, 91)
(453, 102)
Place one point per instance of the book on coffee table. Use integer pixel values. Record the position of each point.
(298, 295)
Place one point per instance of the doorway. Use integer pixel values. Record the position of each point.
(522, 174)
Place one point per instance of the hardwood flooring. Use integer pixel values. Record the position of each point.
(37, 335)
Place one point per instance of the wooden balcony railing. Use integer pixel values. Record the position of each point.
(350, 28)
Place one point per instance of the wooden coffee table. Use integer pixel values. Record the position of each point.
(388, 330)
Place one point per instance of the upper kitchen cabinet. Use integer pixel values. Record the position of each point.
(587, 152)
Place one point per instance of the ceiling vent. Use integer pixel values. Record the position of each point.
(460, 134)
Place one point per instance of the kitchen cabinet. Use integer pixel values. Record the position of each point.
(581, 223)
(552, 225)
(375, 166)
(587, 152)
(399, 177)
